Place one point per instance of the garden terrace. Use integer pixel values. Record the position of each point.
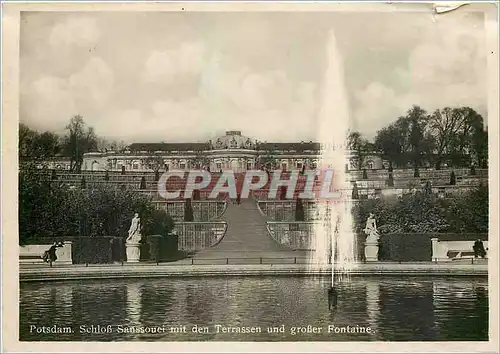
(202, 210)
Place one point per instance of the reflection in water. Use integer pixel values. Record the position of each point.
(411, 309)
(473, 311)
(373, 306)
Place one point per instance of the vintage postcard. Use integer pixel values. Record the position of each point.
(250, 177)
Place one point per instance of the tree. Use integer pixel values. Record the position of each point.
(407, 140)
(445, 124)
(26, 137)
(361, 146)
(392, 142)
(79, 140)
(37, 146)
(421, 140)
(460, 137)
(478, 139)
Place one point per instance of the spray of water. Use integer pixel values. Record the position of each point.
(333, 239)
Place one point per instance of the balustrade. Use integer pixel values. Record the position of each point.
(295, 235)
(196, 236)
(202, 210)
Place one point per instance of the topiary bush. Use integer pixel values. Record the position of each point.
(390, 180)
(453, 178)
(299, 210)
(188, 210)
(355, 192)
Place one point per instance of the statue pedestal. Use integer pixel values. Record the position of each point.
(371, 251)
(133, 252)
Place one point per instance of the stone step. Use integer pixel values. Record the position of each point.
(246, 232)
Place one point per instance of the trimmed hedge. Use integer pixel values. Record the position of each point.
(416, 247)
(95, 250)
(158, 248)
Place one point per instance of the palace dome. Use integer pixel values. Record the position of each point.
(233, 140)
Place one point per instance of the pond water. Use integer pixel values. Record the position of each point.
(242, 309)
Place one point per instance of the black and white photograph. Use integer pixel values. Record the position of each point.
(286, 176)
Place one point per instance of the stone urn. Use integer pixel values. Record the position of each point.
(371, 250)
(133, 252)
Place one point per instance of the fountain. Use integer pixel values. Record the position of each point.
(333, 239)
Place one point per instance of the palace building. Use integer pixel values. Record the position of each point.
(232, 151)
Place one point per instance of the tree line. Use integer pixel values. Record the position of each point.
(456, 137)
(79, 138)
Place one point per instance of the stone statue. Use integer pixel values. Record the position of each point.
(134, 233)
(370, 230)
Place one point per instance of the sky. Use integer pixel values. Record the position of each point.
(189, 76)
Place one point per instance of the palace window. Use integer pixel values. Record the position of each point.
(135, 166)
(249, 165)
(370, 164)
(182, 166)
(218, 166)
(299, 165)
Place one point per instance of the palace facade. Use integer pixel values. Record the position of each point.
(232, 151)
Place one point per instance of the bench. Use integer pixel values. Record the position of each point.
(454, 250)
(460, 254)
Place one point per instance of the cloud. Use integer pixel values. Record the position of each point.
(447, 69)
(53, 100)
(263, 105)
(185, 76)
(80, 31)
(164, 66)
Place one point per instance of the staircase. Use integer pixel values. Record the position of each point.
(246, 236)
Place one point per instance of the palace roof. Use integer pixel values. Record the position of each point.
(169, 147)
(298, 147)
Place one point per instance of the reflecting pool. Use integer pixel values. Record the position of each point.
(247, 308)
